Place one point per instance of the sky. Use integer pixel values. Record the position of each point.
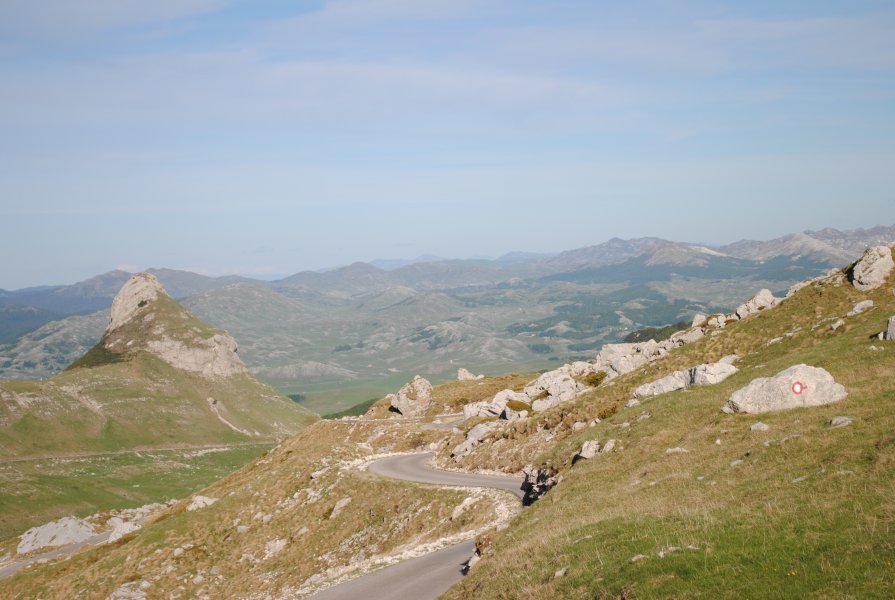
(268, 137)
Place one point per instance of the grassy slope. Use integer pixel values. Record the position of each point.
(808, 513)
(109, 403)
(384, 515)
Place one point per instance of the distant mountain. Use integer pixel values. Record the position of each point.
(829, 245)
(390, 264)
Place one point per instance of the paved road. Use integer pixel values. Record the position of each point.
(425, 577)
(13, 568)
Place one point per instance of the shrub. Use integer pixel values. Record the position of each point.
(594, 379)
(518, 405)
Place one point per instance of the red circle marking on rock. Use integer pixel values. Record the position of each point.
(798, 387)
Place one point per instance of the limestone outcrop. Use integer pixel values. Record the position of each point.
(889, 333)
(496, 406)
(872, 269)
(210, 357)
(764, 299)
(797, 386)
(413, 399)
(62, 532)
(136, 294)
(466, 375)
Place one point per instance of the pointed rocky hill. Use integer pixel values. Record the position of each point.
(159, 376)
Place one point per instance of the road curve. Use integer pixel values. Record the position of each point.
(424, 577)
(13, 568)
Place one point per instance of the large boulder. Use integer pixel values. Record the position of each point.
(764, 299)
(676, 381)
(712, 373)
(557, 386)
(495, 406)
(414, 398)
(872, 269)
(797, 386)
(538, 482)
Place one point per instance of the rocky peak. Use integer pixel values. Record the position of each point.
(144, 318)
(140, 290)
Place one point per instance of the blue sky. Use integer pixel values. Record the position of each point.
(269, 137)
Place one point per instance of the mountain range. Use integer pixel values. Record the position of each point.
(362, 327)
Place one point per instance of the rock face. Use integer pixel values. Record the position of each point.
(466, 375)
(67, 530)
(872, 269)
(212, 357)
(473, 438)
(558, 385)
(797, 386)
(189, 349)
(764, 299)
(414, 398)
(140, 290)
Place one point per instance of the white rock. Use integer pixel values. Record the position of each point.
(841, 421)
(698, 320)
(341, 504)
(140, 290)
(200, 502)
(839, 323)
(608, 447)
(860, 307)
(676, 450)
(121, 528)
(133, 590)
(676, 381)
(872, 269)
(797, 386)
(414, 398)
(67, 530)
(589, 449)
(889, 333)
(759, 427)
(466, 375)
(764, 299)
(710, 374)
(274, 547)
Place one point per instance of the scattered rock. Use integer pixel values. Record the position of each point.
(797, 386)
(473, 438)
(837, 325)
(608, 447)
(677, 450)
(710, 374)
(274, 547)
(759, 427)
(764, 299)
(67, 530)
(638, 558)
(841, 421)
(466, 375)
(120, 528)
(496, 406)
(413, 399)
(200, 502)
(632, 403)
(698, 320)
(589, 449)
(133, 590)
(579, 426)
(561, 573)
(872, 269)
(860, 307)
(676, 381)
(337, 509)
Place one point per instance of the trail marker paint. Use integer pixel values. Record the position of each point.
(798, 387)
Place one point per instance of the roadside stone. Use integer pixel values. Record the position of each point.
(872, 269)
(413, 399)
(797, 386)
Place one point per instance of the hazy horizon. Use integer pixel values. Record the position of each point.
(264, 139)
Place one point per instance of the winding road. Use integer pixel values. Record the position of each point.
(425, 577)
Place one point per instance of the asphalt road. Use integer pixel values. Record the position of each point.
(425, 577)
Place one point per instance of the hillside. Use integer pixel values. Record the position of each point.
(676, 498)
(159, 378)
